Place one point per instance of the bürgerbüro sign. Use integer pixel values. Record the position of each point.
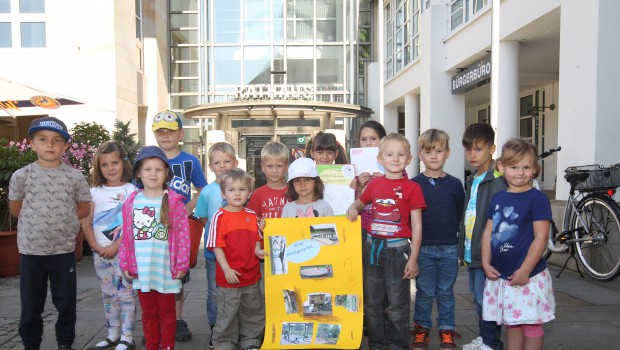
(474, 76)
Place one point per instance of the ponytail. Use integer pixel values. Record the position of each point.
(164, 216)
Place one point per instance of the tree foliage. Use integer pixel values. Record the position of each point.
(91, 134)
(125, 138)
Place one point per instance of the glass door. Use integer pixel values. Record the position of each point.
(254, 145)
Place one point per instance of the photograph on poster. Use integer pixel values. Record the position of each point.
(316, 271)
(290, 301)
(318, 304)
(296, 333)
(327, 333)
(279, 264)
(325, 234)
(348, 301)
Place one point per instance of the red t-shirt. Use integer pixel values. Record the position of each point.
(267, 202)
(392, 202)
(236, 233)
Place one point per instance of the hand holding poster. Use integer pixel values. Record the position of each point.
(313, 283)
(365, 160)
(338, 192)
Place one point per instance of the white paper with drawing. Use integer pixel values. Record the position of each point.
(365, 160)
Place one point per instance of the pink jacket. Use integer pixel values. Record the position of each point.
(178, 236)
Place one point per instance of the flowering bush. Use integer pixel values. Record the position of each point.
(80, 156)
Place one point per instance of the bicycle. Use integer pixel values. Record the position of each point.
(591, 227)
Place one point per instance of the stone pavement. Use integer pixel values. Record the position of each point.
(588, 312)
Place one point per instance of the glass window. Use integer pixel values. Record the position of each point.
(32, 6)
(278, 21)
(183, 20)
(283, 123)
(227, 21)
(278, 64)
(257, 61)
(183, 53)
(252, 123)
(5, 6)
(180, 37)
(228, 63)
(5, 35)
(329, 20)
(184, 5)
(183, 102)
(299, 61)
(184, 85)
(33, 34)
(257, 21)
(184, 69)
(299, 14)
(138, 9)
(457, 13)
(331, 74)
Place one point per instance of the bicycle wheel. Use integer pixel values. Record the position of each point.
(599, 253)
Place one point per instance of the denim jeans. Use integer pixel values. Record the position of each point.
(35, 272)
(211, 291)
(490, 331)
(438, 268)
(386, 304)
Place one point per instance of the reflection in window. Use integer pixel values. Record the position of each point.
(299, 15)
(32, 6)
(180, 37)
(228, 63)
(184, 85)
(5, 35)
(257, 61)
(329, 19)
(278, 21)
(183, 20)
(330, 76)
(227, 21)
(462, 11)
(183, 102)
(5, 6)
(257, 27)
(183, 5)
(300, 69)
(183, 53)
(33, 34)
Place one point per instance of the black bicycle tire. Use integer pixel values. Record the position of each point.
(613, 211)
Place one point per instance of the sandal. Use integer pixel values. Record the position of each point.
(129, 346)
(110, 345)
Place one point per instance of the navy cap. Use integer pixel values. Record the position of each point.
(51, 124)
(151, 152)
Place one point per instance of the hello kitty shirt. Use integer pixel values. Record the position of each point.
(150, 251)
(513, 216)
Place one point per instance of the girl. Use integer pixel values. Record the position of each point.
(325, 149)
(369, 135)
(305, 191)
(518, 290)
(102, 230)
(155, 247)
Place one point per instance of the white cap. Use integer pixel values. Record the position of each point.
(302, 167)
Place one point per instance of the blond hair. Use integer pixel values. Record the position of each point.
(106, 148)
(515, 150)
(275, 150)
(433, 138)
(223, 147)
(237, 174)
(394, 137)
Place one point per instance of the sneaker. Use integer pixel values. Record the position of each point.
(446, 339)
(211, 337)
(183, 332)
(474, 345)
(420, 338)
(483, 346)
(251, 347)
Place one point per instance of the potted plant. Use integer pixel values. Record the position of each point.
(13, 155)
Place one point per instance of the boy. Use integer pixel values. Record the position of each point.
(234, 237)
(49, 197)
(478, 141)
(222, 158)
(397, 205)
(437, 262)
(268, 200)
(168, 130)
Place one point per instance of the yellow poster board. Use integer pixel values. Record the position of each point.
(313, 283)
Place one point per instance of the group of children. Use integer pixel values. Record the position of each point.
(419, 228)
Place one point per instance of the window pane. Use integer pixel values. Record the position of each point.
(278, 21)
(329, 20)
(331, 74)
(257, 21)
(299, 69)
(183, 102)
(32, 6)
(179, 37)
(184, 85)
(5, 35)
(457, 14)
(227, 18)
(33, 34)
(228, 61)
(183, 54)
(183, 20)
(184, 69)
(257, 65)
(184, 5)
(5, 6)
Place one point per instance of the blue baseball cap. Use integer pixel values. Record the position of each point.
(151, 152)
(51, 124)
(167, 120)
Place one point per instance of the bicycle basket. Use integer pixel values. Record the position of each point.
(599, 177)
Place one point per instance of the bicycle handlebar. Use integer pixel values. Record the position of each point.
(549, 152)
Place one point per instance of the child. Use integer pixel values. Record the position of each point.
(102, 230)
(155, 246)
(518, 291)
(186, 170)
(236, 243)
(325, 149)
(305, 192)
(478, 141)
(438, 261)
(397, 215)
(222, 158)
(267, 201)
(49, 198)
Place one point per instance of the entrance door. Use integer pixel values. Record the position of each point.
(254, 145)
(296, 144)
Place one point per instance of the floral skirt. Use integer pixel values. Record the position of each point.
(532, 303)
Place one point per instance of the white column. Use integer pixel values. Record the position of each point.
(412, 131)
(588, 120)
(505, 93)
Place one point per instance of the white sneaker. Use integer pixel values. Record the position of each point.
(474, 345)
(483, 346)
